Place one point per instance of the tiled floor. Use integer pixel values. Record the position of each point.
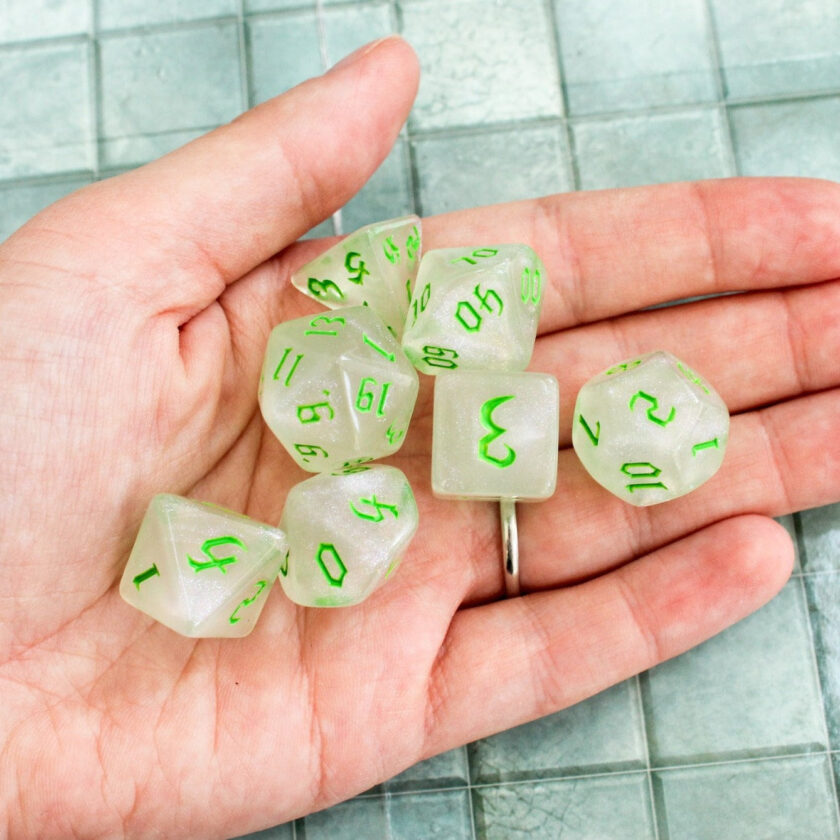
(739, 738)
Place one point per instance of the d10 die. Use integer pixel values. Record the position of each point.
(200, 569)
(337, 388)
(495, 435)
(650, 429)
(375, 266)
(347, 533)
(475, 308)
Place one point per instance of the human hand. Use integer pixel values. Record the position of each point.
(134, 317)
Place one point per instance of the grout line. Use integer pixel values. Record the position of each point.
(470, 794)
(95, 76)
(637, 681)
(242, 46)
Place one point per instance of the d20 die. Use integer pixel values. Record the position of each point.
(375, 266)
(200, 569)
(650, 429)
(337, 388)
(495, 435)
(347, 534)
(475, 309)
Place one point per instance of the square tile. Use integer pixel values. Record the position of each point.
(115, 14)
(448, 769)
(605, 732)
(788, 522)
(820, 538)
(788, 138)
(486, 168)
(624, 54)
(386, 195)
(414, 816)
(600, 808)
(480, 66)
(771, 47)
(788, 798)
(161, 89)
(752, 690)
(20, 203)
(45, 121)
(824, 602)
(650, 149)
(347, 28)
(22, 20)
(283, 52)
(279, 832)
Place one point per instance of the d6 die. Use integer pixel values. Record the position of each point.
(495, 435)
(336, 388)
(475, 309)
(375, 266)
(347, 533)
(200, 569)
(650, 429)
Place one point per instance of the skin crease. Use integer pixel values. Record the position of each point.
(134, 317)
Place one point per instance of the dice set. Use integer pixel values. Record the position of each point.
(338, 391)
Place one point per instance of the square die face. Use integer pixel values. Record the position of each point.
(495, 435)
(477, 307)
(200, 569)
(346, 534)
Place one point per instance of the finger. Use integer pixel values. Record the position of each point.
(755, 349)
(779, 460)
(512, 661)
(177, 230)
(616, 251)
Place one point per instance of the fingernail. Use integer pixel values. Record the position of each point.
(362, 51)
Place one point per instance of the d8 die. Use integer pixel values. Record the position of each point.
(200, 569)
(347, 533)
(375, 266)
(337, 388)
(495, 435)
(475, 308)
(650, 429)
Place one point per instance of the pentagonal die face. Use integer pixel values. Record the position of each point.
(347, 533)
(337, 388)
(375, 267)
(200, 569)
(650, 429)
(495, 435)
(475, 309)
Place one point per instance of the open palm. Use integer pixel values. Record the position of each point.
(134, 318)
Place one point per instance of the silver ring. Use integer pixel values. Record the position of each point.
(510, 547)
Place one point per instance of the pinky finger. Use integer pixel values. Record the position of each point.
(512, 661)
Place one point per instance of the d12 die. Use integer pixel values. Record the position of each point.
(337, 388)
(375, 266)
(650, 429)
(495, 435)
(200, 569)
(347, 533)
(475, 309)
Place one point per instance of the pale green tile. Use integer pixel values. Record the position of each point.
(347, 28)
(776, 799)
(283, 52)
(161, 89)
(605, 732)
(651, 149)
(823, 591)
(490, 167)
(752, 690)
(18, 204)
(788, 522)
(623, 54)
(601, 808)
(821, 538)
(123, 13)
(45, 118)
(324, 229)
(771, 47)
(482, 64)
(448, 769)
(279, 832)
(788, 138)
(27, 19)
